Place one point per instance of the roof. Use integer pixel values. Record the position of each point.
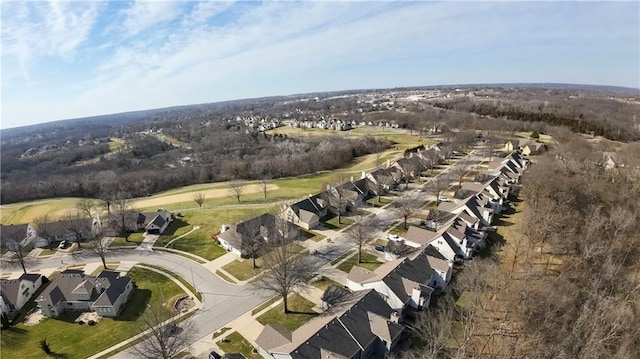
(431, 251)
(16, 232)
(61, 228)
(407, 275)
(421, 236)
(311, 204)
(273, 335)
(341, 331)
(360, 274)
(103, 290)
(10, 288)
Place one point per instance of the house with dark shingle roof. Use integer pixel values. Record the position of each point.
(75, 230)
(362, 326)
(73, 290)
(157, 222)
(14, 293)
(402, 283)
(16, 236)
(307, 212)
(241, 237)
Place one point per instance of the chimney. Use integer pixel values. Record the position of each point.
(394, 317)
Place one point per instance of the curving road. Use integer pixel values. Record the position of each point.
(221, 302)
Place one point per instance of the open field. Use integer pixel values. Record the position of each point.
(217, 194)
(81, 341)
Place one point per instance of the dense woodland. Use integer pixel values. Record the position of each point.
(567, 282)
(167, 148)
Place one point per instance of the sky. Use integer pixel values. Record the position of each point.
(82, 58)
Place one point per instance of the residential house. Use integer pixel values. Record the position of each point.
(535, 148)
(442, 268)
(402, 283)
(73, 290)
(17, 236)
(475, 206)
(509, 147)
(306, 213)
(74, 230)
(247, 237)
(14, 293)
(158, 223)
(362, 326)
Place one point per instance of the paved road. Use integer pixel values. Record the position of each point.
(221, 301)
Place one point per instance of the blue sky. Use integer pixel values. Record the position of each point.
(74, 59)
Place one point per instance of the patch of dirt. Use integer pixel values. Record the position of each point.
(34, 318)
(183, 304)
(89, 318)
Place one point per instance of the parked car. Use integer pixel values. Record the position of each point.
(444, 199)
(379, 247)
(214, 355)
(393, 237)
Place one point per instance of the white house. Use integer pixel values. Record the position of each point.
(16, 292)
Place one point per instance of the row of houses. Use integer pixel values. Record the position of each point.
(308, 212)
(367, 318)
(339, 125)
(28, 235)
(72, 290)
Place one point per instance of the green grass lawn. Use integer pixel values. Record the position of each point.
(378, 203)
(369, 261)
(331, 222)
(220, 332)
(262, 306)
(337, 260)
(310, 235)
(133, 239)
(242, 269)
(236, 343)
(323, 283)
(200, 242)
(301, 312)
(399, 230)
(81, 341)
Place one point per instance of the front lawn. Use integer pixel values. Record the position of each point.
(300, 312)
(378, 203)
(200, 242)
(236, 343)
(323, 283)
(81, 341)
(331, 222)
(369, 261)
(242, 269)
(310, 235)
(399, 230)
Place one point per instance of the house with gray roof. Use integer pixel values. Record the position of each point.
(402, 283)
(158, 222)
(14, 293)
(307, 212)
(361, 326)
(73, 290)
(17, 236)
(243, 237)
(71, 230)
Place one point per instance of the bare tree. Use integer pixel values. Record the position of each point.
(100, 247)
(434, 331)
(362, 231)
(459, 170)
(336, 194)
(42, 226)
(86, 206)
(406, 208)
(286, 270)
(199, 198)
(78, 226)
(438, 185)
(20, 249)
(236, 188)
(120, 216)
(165, 338)
(264, 184)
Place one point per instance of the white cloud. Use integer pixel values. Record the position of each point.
(32, 30)
(144, 14)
